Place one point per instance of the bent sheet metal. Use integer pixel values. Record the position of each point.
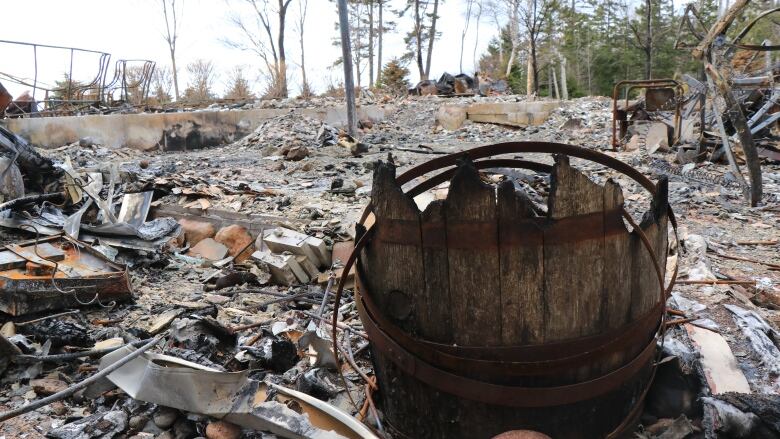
(230, 396)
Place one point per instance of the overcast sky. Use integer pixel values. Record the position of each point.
(132, 29)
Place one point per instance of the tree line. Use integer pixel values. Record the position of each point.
(560, 48)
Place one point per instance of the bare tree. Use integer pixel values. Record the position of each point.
(469, 6)
(476, 40)
(423, 35)
(300, 26)
(260, 36)
(170, 36)
(238, 86)
(645, 42)
(380, 33)
(202, 77)
(534, 17)
(509, 11)
(162, 82)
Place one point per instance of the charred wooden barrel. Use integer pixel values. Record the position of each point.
(487, 314)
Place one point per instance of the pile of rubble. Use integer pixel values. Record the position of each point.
(226, 261)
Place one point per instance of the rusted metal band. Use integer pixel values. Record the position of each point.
(471, 235)
(502, 395)
(519, 360)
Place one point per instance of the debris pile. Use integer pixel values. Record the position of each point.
(218, 268)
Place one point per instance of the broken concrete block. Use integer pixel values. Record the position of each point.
(197, 231)
(633, 144)
(320, 249)
(209, 249)
(282, 240)
(48, 386)
(281, 272)
(574, 123)
(657, 138)
(236, 238)
(717, 361)
(308, 266)
(297, 153)
(512, 113)
(296, 268)
(451, 117)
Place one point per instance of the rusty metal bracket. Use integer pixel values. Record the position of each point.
(648, 85)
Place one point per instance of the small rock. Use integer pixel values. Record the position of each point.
(209, 249)
(144, 164)
(236, 238)
(522, 434)
(297, 153)
(633, 144)
(58, 408)
(320, 383)
(164, 417)
(142, 436)
(87, 142)
(165, 435)
(216, 299)
(48, 386)
(223, 430)
(138, 422)
(197, 231)
(657, 138)
(574, 123)
(184, 429)
(451, 117)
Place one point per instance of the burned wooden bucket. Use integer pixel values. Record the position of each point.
(486, 315)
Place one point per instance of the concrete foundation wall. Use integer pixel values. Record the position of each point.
(167, 131)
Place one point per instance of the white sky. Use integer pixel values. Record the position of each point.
(132, 29)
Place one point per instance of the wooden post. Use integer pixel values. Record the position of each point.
(346, 54)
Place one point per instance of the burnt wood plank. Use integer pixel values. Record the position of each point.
(435, 321)
(475, 291)
(645, 288)
(573, 271)
(396, 291)
(521, 268)
(616, 302)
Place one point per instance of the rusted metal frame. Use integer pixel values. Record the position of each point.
(737, 117)
(677, 120)
(646, 84)
(95, 83)
(119, 81)
(510, 396)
